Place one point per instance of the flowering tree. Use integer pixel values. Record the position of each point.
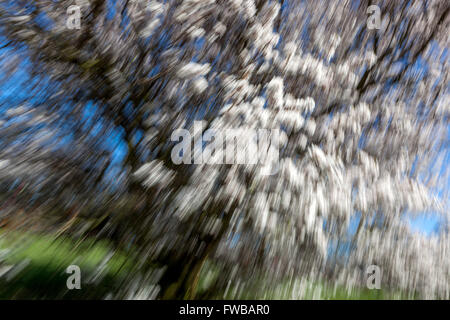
(362, 114)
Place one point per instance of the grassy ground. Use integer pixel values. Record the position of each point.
(317, 291)
(40, 273)
(298, 290)
(40, 267)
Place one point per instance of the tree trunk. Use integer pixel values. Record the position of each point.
(182, 276)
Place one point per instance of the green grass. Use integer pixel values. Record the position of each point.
(44, 275)
(45, 261)
(310, 291)
(292, 290)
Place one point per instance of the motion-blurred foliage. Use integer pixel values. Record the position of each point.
(87, 116)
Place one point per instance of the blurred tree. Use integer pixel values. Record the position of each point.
(363, 113)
